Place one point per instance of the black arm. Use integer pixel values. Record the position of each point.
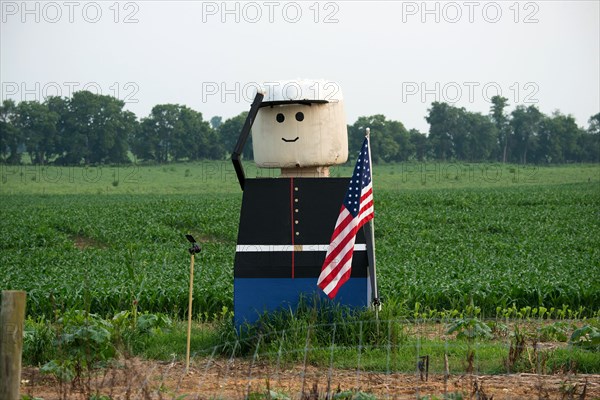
(239, 147)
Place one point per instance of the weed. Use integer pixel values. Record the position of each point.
(469, 328)
(587, 337)
(38, 341)
(517, 347)
(556, 331)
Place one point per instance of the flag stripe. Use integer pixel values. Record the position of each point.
(342, 234)
(341, 278)
(344, 240)
(357, 209)
(334, 276)
(335, 264)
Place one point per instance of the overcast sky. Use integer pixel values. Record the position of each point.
(391, 58)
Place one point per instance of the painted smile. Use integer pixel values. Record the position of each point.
(290, 140)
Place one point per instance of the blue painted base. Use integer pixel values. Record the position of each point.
(253, 296)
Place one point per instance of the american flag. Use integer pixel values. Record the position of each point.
(357, 209)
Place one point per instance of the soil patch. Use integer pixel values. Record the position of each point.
(237, 379)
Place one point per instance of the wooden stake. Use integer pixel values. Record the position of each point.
(189, 330)
(12, 317)
(446, 372)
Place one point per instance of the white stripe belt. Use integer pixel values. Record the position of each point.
(259, 248)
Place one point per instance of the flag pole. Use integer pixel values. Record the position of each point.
(370, 227)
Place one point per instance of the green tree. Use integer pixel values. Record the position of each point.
(357, 132)
(94, 130)
(479, 137)
(214, 150)
(390, 141)
(594, 124)
(444, 126)
(419, 143)
(111, 127)
(500, 119)
(37, 125)
(525, 124)
(60, 106)
(201, 139)
(72, 129)
(406, 148)
(589, 141)
(127, 128)
(10, 136)
(76, 142)
(144, 143)
(157, 134)
(174, 132)
(558, 138)
(216, 121)
(186, 138)
(229, 132)
(455, 133)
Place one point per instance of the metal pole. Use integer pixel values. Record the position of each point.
(189, 330)
(370, 239)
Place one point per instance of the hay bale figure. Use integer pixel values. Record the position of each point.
(286, 223)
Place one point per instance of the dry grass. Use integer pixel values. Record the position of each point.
(236, 379)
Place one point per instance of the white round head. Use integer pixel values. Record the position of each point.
(300, 124)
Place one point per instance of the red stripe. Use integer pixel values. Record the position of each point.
(363, 218)
(337, 287)
(331, 257)
(292, 221)
(343, 279)
(331, 276)
(332, 253)
(366, 194)
(366, 219)
(338, 264)
(364, 207)
(340, 240)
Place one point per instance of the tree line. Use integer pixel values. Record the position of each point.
(89, 129)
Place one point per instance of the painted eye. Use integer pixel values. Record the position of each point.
(280, 117)
(299, 116)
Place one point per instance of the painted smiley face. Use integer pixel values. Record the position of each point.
(280, 118)
(292, 135)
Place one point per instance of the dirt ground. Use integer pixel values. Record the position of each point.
(223, 379)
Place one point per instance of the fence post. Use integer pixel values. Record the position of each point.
(12, 316)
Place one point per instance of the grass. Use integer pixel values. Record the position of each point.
(326, 337)
(330, 340)
(448, 235)
(171, 344)
(489, 356)
(219, 177)
(453, 241)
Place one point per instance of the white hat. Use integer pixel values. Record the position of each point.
(301, 91)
